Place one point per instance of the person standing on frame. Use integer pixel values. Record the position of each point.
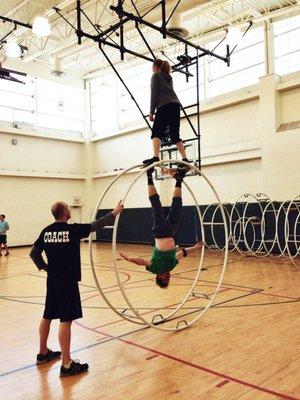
(165, 105)
(61, 243)
(4, 227)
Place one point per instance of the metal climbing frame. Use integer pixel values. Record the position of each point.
(103, 38)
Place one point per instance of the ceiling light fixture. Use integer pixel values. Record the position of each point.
(41, 26)
(12, 49)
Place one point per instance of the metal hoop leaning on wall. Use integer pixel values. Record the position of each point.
(271, 209)
(244, 221)
(259, 198)
(181, 324)
(282, 247)
(212, 223)
(294, 205)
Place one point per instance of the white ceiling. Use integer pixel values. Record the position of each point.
(203, 19)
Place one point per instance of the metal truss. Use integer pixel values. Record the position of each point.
(103, 38)
(114, 37)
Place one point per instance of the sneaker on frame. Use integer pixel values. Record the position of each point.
(183, 168)
(150, 161)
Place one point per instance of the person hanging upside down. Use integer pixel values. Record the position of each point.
(165, 255)
(167, 106)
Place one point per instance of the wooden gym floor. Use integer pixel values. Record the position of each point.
(246, 347)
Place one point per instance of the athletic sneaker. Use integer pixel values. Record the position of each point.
(182, 167)
(180, 173)
(150, 161)
(74, 369)
(49, 356)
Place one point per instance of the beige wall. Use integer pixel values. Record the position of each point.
(41, 155)
(290, 101)
(280, 150)
(121, 152)
(33, 175)
(26, 202)
(242, 152)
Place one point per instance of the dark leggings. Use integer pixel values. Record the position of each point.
(167, 117)
(165, 226)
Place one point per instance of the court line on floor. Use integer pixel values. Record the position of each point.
(260, 304)
(165, 355)
(158, 309)
(281, 396)
(110, 338)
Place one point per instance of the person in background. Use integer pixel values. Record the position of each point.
(4, 227)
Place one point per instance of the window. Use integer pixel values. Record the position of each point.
(42, 104)
(113, 109)
(138, 81)
(17, 101)
(287, 45)
(186, 91)
(59, 106)
(104, 105)
(247, 64)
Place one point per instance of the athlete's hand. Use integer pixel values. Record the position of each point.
(124, 256)
(198, 245)
(118, 209)
(151, 117)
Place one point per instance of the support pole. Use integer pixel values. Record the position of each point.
(198, 112)
(163, 14)
(120, 6)
(3, 40)
(79, 30)
(18, 23)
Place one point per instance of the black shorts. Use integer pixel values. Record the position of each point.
(165, 226)
(62, 300)
(3, 239)
(167, 123)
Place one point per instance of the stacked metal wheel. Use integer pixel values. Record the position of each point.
(258, 226)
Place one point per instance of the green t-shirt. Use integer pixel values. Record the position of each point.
(163, 261)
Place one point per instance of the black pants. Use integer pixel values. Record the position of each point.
(167, 123)
(165, 226)
(3, 239)
(62, 300)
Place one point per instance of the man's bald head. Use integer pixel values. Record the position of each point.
(60, 210)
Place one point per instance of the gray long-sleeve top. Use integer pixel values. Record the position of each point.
(162, 91)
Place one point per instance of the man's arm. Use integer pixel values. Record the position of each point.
(185, 252)
(137, 261)
(7, 226)
(37, 258)
(154, 93)
(108, 219)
